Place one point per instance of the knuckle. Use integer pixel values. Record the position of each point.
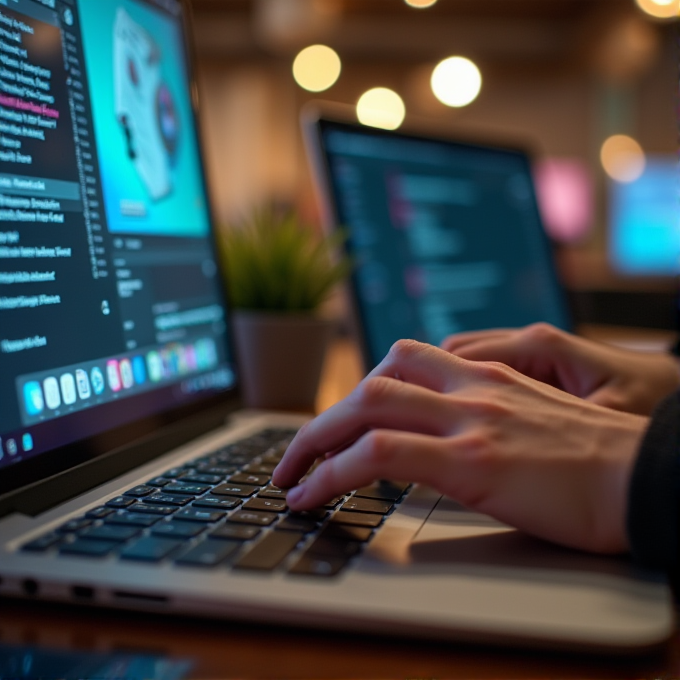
(495, 371)
(373, 391)
(541, 334)
(378, 449)
(404, 349)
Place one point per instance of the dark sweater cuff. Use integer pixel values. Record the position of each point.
(652, 521)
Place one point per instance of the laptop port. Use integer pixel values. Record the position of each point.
(30, 586)
(82, 593)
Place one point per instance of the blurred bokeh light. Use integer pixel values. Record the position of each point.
(456, 81)
(420, 4)
(622, 158)
(316, 68)
(660, 9)
(382, 108)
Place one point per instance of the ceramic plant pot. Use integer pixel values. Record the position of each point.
(280, 357)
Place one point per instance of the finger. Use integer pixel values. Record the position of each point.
(454, 342)
(380, 454)
(378, 402)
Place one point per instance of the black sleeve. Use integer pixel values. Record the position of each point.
(654, 497)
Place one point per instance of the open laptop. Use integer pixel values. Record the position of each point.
(446, 235)
(127, 476)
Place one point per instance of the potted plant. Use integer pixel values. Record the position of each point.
(278, 272)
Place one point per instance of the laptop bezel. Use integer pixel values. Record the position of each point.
(313, 118)
(51, 464)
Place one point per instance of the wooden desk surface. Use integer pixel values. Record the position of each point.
(228, 650)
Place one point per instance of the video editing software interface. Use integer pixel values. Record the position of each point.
(446, 237)
(110, 303)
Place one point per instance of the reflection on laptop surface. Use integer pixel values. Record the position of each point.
(121, 481)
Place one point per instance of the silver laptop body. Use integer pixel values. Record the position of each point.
(116, 383)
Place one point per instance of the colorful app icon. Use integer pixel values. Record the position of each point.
(155, 366)
(68, 389)
(126, 374)
(12, 447)
(83, 384)
(139, 370)
(51, 391)
(113, 375)
(27, 442)
(190, 357)
(206, 353)
(97, 380)
(33, 398)
(169, 362)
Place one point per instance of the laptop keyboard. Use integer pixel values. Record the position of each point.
(221, 509)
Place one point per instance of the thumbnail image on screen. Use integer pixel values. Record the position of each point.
(147, 147)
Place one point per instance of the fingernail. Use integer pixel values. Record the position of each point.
(296, 494)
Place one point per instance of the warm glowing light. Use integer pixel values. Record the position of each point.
(660, 9)
(622, 158)
(382, 108)
(316, 68)
(420, 4)
(456, 81)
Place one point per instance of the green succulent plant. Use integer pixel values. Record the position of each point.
(274, 262)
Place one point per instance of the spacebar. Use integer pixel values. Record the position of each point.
(270, 551)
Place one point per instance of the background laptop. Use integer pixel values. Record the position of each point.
(120, 486)
(446, 236)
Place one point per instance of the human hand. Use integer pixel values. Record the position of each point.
(610, 376)
(498, 442)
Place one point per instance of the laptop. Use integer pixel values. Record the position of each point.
(129, 476)
(446, 235)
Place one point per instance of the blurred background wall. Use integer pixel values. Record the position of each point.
(559, 76)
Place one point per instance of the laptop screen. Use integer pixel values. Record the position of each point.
(446, 237)
(110, 299)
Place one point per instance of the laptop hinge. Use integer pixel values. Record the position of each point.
(41, 496)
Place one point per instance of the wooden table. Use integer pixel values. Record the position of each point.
(229, 650)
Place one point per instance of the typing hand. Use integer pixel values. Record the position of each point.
(481, 433)
(617, 378)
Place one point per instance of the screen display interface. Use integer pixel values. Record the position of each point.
(110, 300)
(445, 237)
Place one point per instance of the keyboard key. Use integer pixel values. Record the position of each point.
(244, 478)
(358, 519)
(74, 526)
(150, 549)
(260, 519)
(237, 532)
(139, 491)
(175, 473)
(333, 547)
(43, 543)
(209, 553)
(266, 504)
(120, 502)
(220, 471)
(88, 548)
(272, 492)
(317, 515)
(268, 553)
(273, 456)
(168, 499)
(131, 519)
(196, 515)
(178, 529)
(347, 533)
(367, 505)
(316, 565)
(240, 490)
(200, 478)
(99, 513)
(334, 503)
(110, 532)
(383, 491)
(259, 468)
(158, 482)
(186, 489)
(217, 503)
(154, 509)
(294, 523)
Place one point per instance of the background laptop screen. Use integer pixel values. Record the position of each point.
(446, 237)
(110, 302)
